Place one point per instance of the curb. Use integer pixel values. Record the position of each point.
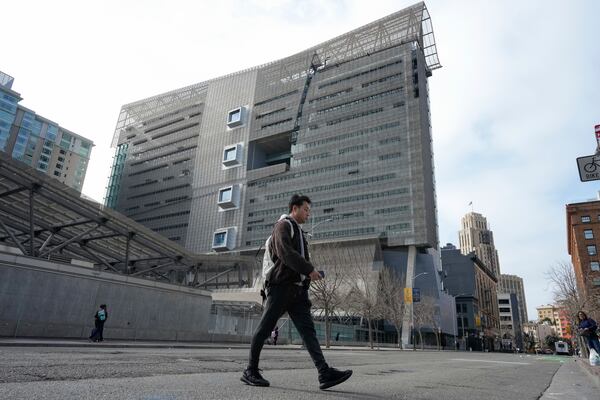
(167, 345)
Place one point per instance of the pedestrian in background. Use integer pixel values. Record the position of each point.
(100, 318)
(588, 329)
(287, 291)
(275, 335)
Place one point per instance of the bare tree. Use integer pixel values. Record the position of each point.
(425, 315)
(562, 278)
(362, 298)
(391, 298)
(326, 294)
(567, 294)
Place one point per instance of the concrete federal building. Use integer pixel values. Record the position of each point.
(346, 122)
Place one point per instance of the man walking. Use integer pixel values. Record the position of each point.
(287, 291)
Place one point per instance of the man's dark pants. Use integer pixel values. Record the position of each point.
(292, 299)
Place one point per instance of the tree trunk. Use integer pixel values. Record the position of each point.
(437, 339)
(399, 338)
(370, 333)
(421, 338)
(327, 328)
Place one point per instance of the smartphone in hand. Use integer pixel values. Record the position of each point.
(322, 273)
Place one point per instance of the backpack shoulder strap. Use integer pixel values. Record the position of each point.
(291, 224)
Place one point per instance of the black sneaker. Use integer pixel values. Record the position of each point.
(254, 378)
(332, 377)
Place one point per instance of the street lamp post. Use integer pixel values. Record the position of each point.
(412, 312)
(313, 226)
(462, 321)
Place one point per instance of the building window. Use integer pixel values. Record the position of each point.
(225, 194)
(504, 309)
(586, 219)
(592, 250)
(595, 266)
(235, 117)
(219, 239)
(232, 155)
(224, 239)
(229, 197)
(503, 301)
(588, 233)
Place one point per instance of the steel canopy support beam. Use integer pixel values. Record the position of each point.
(31, 227)
(48, 239)
(129, 236)
(102, 237)
(14, 191)
(161, 275)
(68, 242)
(148, 259)
(217, 276)
(95, 257)
(153, 268)
(54, 228)
(13, 237)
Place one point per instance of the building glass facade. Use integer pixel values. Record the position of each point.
(40, 143)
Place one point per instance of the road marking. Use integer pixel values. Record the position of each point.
(491, 361)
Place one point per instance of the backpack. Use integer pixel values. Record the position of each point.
(101, 315)
(268, 263)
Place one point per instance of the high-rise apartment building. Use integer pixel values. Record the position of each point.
(559, 319)
(475, 235)
(514, 284)
(583, 233)
(39, 142)
(346, 122)
(548, 311)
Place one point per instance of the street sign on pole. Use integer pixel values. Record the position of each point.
(589, 168)
(416, 295)
(408, 295)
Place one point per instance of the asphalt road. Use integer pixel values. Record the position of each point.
(98, 372)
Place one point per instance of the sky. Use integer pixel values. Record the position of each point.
(513, 106)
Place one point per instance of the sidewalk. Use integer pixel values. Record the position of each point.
(592, 371)
(570, 383)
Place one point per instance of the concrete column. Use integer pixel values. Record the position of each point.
(408, 308)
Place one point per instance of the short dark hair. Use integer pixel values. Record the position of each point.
(298, 200)
(102, 305)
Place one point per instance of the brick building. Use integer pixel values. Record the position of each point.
(583, 233)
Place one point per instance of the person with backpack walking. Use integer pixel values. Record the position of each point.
(287, 281)
(100, 318)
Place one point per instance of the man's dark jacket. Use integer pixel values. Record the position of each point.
(286, 253)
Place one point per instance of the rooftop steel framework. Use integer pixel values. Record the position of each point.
(46, 219)
(412, 24)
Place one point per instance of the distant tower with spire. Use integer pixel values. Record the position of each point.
(475, 235)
